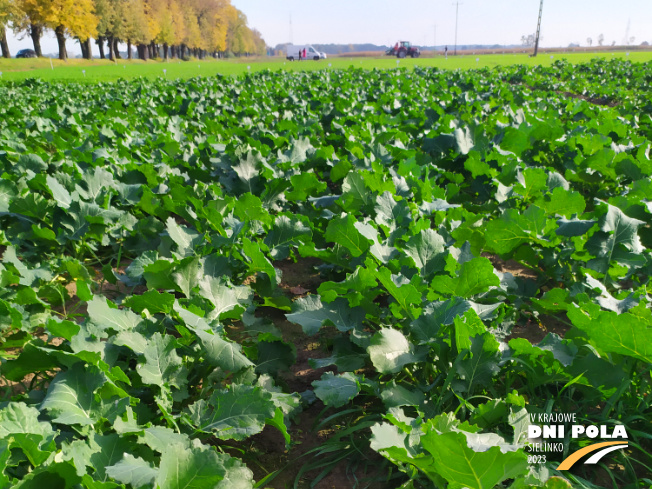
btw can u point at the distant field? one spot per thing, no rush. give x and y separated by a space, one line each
104 70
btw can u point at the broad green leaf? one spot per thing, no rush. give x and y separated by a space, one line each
390 351
616 241
390 213
222 353
258 262
132 470
162 364
475 277
151 301
31 162
407 297
132 340
439 313
311 313
286 233
573 227
160 275
563 202
234 413
346 356
355 193
356 285
479 367
386 435
71 398
532 183
8 192
395 395
514 228
30 276
107 318
187 275
201 467
159 438
607 301
463 140
342 231
274 357
380 250
336 390
185 238
228 300
465 327
428 250
59 192
463 466
304 185
17 417
248 207
19 425
107 451
627 334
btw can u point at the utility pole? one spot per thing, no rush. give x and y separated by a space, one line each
290 28
457 8
536 38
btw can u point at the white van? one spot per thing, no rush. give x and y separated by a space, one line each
295 53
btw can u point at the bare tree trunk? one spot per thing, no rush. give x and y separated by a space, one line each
61 40
100 44
165 50
110 45
142 51
129 55
89 49
35 32
116 51
154 50
82 45
4 45
173 51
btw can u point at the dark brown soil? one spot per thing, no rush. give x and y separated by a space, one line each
299 279
535 331
603 101
511 266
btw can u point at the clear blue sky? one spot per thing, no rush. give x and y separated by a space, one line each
385 22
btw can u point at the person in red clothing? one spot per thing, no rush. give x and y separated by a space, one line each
304 53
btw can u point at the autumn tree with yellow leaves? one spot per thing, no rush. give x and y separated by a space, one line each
8 11
176 28
67 18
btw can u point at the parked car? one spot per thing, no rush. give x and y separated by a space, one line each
294 52
26 53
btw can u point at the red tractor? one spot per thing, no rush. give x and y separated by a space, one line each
402 49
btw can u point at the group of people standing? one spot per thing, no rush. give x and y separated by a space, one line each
302 54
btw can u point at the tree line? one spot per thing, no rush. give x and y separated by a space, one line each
167 28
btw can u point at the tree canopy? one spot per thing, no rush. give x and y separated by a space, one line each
156 27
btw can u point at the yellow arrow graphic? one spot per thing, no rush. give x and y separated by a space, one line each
575 456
